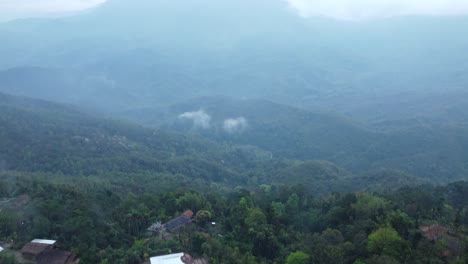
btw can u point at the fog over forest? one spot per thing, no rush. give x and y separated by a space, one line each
308 131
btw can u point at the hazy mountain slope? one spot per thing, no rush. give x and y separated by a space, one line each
66 86
403 110
283 130
45 137
54 142
436 152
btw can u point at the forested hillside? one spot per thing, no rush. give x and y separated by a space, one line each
44 137
40 136
435 151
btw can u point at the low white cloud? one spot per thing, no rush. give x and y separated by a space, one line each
369 9
235 125
199 118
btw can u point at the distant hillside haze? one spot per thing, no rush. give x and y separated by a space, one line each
427 151
178 50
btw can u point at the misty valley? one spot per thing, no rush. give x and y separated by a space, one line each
232 132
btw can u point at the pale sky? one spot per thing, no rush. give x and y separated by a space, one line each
10 9
338 9
368 9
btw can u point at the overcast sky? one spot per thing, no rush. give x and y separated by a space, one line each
339 9
10 9
367 9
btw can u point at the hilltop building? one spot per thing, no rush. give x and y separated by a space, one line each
43 251
32 249
184 219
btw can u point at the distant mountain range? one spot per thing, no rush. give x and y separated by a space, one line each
161 52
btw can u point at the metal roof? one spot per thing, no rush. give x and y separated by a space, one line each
177 223
34 249
44 241
55 256
168 259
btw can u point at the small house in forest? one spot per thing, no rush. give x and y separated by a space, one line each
176 223
32 249
184 219
43 251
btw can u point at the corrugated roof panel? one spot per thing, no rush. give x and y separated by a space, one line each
167 259
44 241
177 223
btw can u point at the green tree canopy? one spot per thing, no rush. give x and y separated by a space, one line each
298 257
384 241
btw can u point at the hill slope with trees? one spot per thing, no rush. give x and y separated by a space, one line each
435 152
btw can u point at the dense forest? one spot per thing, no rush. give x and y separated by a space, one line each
99 220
